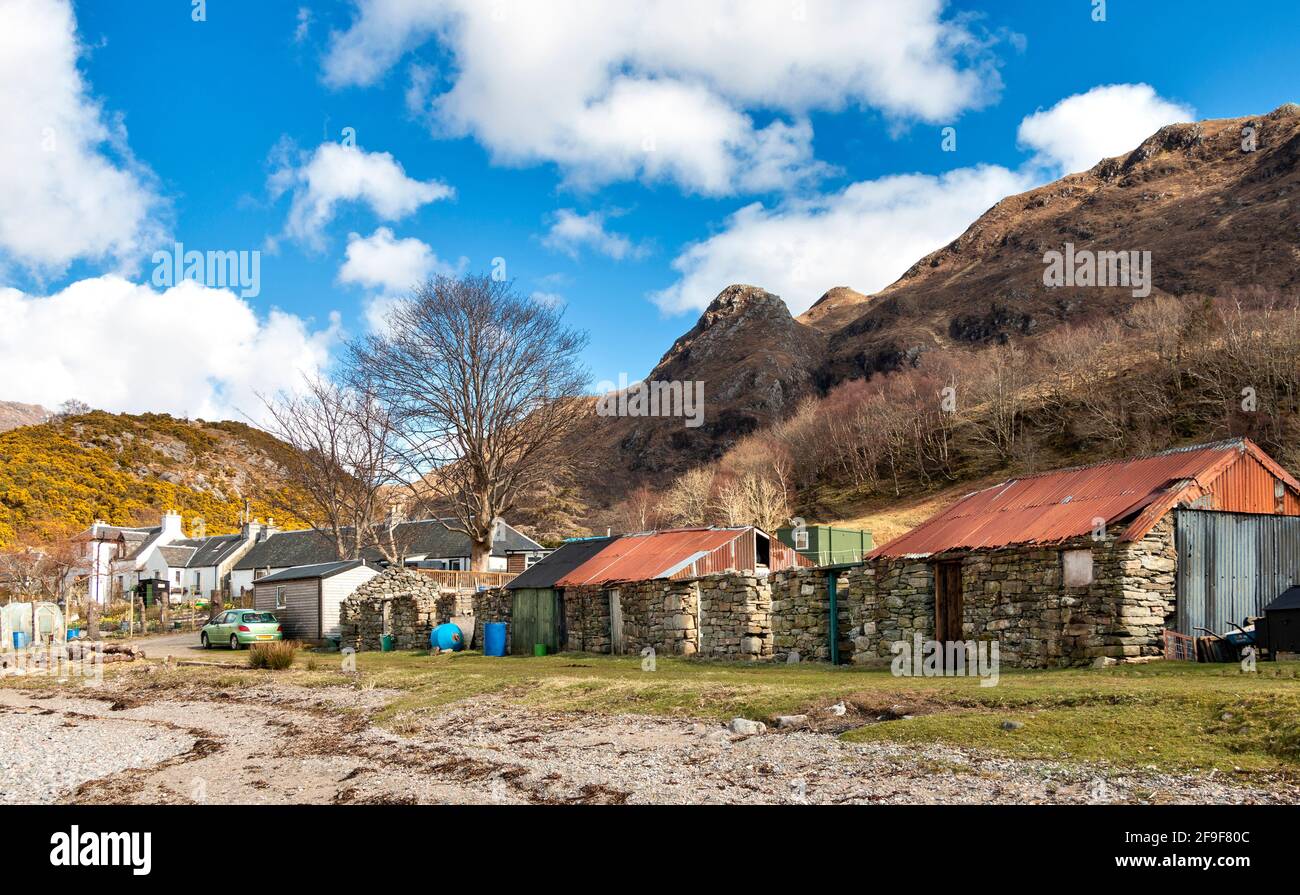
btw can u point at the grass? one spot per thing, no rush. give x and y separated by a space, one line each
1174 716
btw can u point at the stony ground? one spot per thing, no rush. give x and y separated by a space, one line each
278 743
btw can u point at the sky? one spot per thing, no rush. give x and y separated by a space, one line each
623 162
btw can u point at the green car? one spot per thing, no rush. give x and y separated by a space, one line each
240 627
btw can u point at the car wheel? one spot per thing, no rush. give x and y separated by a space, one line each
234 641
203 640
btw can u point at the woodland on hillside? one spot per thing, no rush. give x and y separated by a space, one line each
1170 372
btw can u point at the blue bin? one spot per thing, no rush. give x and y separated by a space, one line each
73 633
447 637
494 639
20 639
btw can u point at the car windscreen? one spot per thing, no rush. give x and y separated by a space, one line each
258 618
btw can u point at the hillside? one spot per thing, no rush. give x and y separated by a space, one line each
14 414
1212 216
126 469
1221 225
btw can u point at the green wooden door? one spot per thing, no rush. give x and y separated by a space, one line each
534 618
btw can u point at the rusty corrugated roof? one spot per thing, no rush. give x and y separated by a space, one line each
641 557
1053 507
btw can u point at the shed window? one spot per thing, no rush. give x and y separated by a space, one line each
1077 566
801 539
279 597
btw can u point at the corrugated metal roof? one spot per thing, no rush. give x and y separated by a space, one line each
545 572
641 557
1053 507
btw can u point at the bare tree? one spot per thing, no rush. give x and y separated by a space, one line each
482 387
689 499
341 466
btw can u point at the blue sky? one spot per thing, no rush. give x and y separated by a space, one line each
198 118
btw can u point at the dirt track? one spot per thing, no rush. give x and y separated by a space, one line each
291 745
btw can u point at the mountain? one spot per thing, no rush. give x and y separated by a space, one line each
125 469
14 414
753 361
1214 217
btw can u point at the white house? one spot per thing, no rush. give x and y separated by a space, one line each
425 543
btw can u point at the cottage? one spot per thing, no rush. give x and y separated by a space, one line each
306 599
422 544
1067 566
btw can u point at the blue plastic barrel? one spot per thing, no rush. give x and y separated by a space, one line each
494 639
447 637
20 639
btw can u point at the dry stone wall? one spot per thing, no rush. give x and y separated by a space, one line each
400 602
1016 596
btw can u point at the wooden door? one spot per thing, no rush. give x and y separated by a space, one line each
533 620
947 602
616 645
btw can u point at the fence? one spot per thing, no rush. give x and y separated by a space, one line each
452 579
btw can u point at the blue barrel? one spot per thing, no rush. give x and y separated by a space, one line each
447 637
494 639
20 639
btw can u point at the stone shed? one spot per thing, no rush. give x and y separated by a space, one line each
404 603
1064 567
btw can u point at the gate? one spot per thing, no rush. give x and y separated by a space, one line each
534 618
1232 565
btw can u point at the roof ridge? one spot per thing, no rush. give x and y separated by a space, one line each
1221 444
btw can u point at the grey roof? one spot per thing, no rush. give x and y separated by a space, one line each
177 556
1290 599
139 541
570 555
210 551
431 538
319 570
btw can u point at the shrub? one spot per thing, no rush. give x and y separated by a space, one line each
275 656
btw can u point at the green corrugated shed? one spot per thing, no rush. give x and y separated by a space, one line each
828 545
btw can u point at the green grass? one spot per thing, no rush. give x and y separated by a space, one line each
1170 715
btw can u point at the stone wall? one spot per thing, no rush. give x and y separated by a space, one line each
801 614
492 605
400 602
735 617
1015 596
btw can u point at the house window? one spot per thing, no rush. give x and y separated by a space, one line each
801 539
279 597
1077 567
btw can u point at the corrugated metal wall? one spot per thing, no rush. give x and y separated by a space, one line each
1247 487
1231 565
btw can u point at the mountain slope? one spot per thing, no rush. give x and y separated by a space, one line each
126 469
13 414
1215 219
1213 216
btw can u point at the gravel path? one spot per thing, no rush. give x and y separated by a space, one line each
282 744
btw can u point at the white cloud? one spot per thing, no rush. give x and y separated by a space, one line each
1081 130
304 25
335 173
381 261
571 232
868 234
864 236
69 187
120 346
664 89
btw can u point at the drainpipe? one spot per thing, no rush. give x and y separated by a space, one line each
831 584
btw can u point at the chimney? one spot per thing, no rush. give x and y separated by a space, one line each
171 526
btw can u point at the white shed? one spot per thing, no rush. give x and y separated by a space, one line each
306 599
